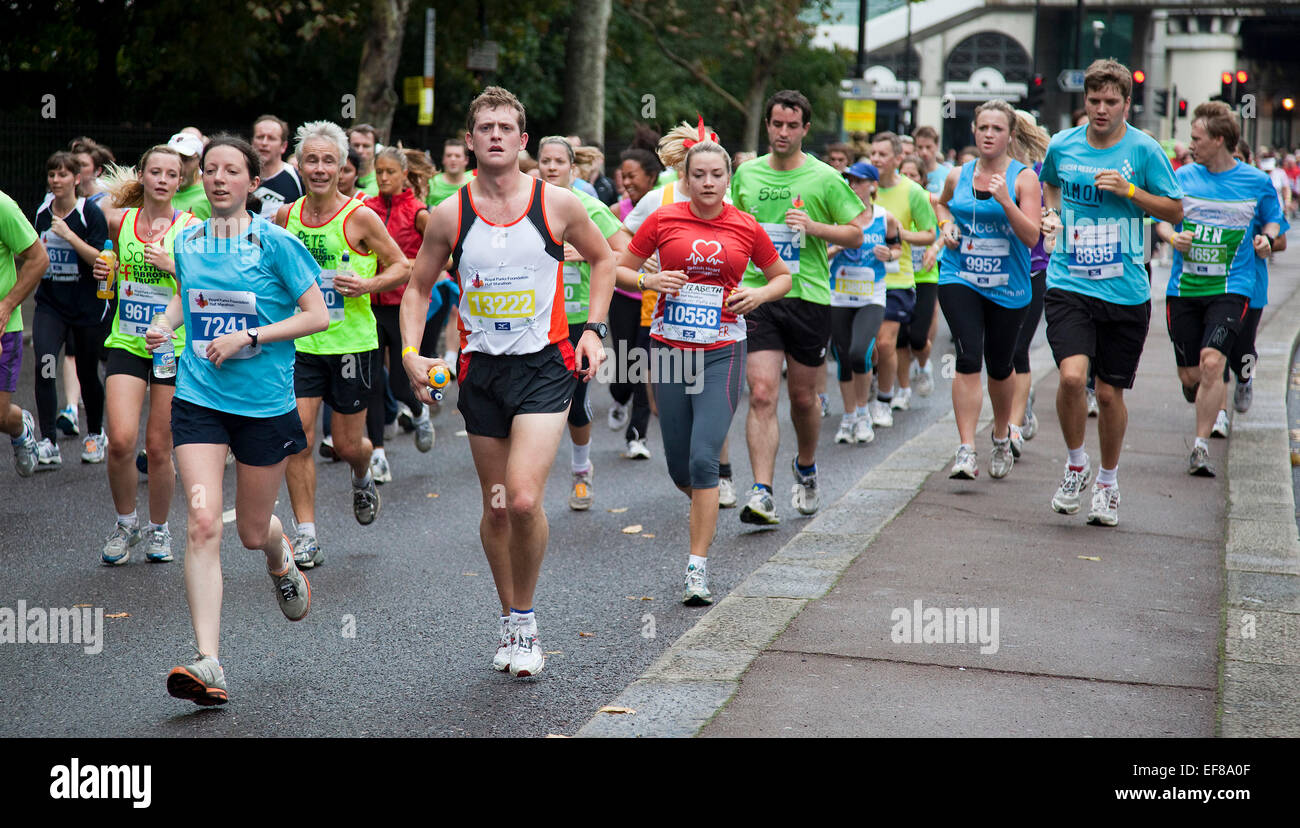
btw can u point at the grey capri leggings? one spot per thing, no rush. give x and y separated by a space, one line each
695 424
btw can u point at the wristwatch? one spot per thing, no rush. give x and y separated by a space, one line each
252 334
601 329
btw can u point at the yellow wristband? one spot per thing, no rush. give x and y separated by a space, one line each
1132 188
408 349
640 281
945 221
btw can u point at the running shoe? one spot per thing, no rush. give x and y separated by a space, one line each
142 462
1220 428
365 502
637 450
882 416
1198 465
423 431
697 592
1029 427
966 464
203 682
902 399
863 433
845 432
390 431
93 447
452 363
726 493
160 545
380 470
875 385
1001 460
526 658
67 421
505 644
826 404
1017 437
117 549
25 452
47 454
327 448
1094 408
1243 395
580 498
803 496
291 588
306 551
923 379
1105 505
618 415
760 509
405 418
1066 499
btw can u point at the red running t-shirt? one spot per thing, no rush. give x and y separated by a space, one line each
713 254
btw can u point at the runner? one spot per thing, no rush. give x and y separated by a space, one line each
73 233
18 241
920 331
190 196
145 239
337 367
910 204
927 149
555 159
505 236
93 158
990 211
243 279
348 176
281 183
802 204
858 304
362 139
1231 217
704 246
1098 309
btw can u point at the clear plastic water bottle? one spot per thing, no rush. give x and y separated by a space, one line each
164 356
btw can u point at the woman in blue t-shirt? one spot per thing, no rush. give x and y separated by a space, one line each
241 284
989 216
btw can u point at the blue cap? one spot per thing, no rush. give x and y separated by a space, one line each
863 170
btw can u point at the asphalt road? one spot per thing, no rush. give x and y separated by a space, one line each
414 586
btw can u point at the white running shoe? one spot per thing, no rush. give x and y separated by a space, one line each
862 431
1220 428
760 510
526 658
924 383
93 448
1066 499
1029 427
726 493
902 399
697 587
1243 395
845 432
1093 408
1105 505
580 495
618 415
1198 465
505 645
48 455
637 450
1001 460
25 456
882 416
966 465
1017 438
379 469
803 496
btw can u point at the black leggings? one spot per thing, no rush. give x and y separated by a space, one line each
48 335
983 332
390 339
626 333
853 333
1244 358
1037 287
916 333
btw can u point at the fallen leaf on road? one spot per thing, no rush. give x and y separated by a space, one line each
620 510
431 494
557 736
586 635
638 597
470 574
1087 558
632 530
647 534
555 652
118 615
83 605
609 708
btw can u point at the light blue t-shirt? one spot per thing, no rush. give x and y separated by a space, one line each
991 259
934 180
1259 292
1225 211
229 285
1099 251
857 276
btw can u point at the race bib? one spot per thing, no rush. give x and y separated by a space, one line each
333 299
137 304
1095 252
215 313
572 284
500 300
1213 249
787 241
63 258
918 258
694 314
984 262
855 286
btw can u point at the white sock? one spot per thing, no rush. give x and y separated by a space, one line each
581 457
927 368
363 482
156 526
1108 477
308 529
129 519
846 420
860 412
1078 457
967 446
697 561
523 620
1004 441
1201 442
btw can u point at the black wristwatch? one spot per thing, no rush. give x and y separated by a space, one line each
601 329
1272 241
252 334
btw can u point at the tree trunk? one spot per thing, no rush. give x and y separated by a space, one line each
376 100
584 74
755 97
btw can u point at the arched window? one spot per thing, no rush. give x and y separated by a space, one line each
993 49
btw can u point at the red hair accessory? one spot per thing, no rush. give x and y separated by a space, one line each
712 136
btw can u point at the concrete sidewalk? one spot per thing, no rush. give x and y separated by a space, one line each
1098 631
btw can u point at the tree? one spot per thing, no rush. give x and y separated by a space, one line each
584 75
376 100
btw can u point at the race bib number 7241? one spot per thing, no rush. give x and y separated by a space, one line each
215 313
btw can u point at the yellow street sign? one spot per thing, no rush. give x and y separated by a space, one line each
859 116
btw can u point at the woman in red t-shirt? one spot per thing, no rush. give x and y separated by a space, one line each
697 359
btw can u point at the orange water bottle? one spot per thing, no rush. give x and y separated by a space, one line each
439 378
105 288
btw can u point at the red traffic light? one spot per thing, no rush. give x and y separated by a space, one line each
1182 107
1242 77
1139 76
1226 78
1037 80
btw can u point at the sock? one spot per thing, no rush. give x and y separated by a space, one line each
1078 457
363 482
379 452
581 457
697 561
1201 442
308 529
846 420
860 412
764 487
885 395
129 520
153 527
967 446
1003 442
805 470
1108 477
927 368
724 470
523 620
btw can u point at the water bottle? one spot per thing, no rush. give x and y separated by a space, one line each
164 356
439 378
105 289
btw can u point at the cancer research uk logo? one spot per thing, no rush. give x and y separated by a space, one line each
56 625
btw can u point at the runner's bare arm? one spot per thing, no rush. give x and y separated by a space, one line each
35 261
1160 207
282 215
313 317
429 263
1026 214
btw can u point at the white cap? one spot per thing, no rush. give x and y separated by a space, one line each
186 144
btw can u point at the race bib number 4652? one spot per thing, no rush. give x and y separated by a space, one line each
215 313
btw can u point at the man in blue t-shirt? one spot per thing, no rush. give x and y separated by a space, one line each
1230 212
1100 179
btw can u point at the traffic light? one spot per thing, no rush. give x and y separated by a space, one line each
1288 104
1244 86
1139 89
1225 88
1182 107
1034 99
1162 102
